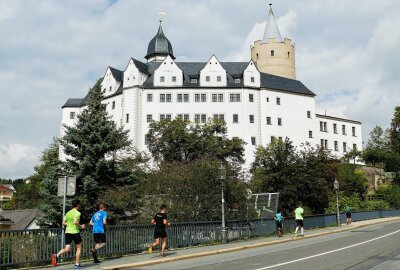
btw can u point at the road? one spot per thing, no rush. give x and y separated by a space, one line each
373 247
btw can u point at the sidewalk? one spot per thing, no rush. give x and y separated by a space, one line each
140 260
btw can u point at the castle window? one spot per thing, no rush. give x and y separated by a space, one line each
196 97
267 99
235 118
253 140
168 97
279 121
146 139
173 78
72 115
278 101
257 55
336 146
288 54
214 98
237 80
251 116
220 97
110 88
326 144
272 53
149 97
234 97
197 118
179 98
252 79
218 78
343 129
162 97
310 134
203 118
269 120
162 79
251 98
113 105
344 147
185 97
308 114
186 117
127 118
203 98
335 128
208 78
149 118
354 146
353 130
193 80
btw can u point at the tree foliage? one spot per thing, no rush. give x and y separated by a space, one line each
394 132
92 146
181 141
299 176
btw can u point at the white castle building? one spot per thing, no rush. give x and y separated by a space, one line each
259 99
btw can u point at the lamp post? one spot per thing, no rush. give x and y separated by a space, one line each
222 177
336 187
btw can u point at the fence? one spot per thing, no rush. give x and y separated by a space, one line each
32 247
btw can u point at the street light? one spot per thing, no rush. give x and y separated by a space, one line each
222 177
336 187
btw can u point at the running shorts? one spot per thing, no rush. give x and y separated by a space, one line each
73 237
299 222
99 238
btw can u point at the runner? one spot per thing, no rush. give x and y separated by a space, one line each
99 223
160 220
72 234
348 214
279 222
299 213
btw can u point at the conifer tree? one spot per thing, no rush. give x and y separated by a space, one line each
394 132
92 146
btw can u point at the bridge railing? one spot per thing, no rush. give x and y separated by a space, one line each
33 247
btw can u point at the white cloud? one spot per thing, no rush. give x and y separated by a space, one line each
15 157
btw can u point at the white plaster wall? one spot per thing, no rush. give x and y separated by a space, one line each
249 72
109 81
339 137
168 69
213 69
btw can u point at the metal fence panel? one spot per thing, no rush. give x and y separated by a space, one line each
29 247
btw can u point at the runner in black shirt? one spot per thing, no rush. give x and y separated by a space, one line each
160 220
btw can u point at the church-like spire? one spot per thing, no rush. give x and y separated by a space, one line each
271 28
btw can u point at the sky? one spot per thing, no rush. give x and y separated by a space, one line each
347 52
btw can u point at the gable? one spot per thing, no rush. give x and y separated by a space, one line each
213 73
168 74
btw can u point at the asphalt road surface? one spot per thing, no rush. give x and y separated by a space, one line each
374 247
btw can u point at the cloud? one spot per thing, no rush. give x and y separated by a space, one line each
14 157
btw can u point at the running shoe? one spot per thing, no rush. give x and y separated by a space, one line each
150 250
54 259
78 266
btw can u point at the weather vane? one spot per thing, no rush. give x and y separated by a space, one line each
162 14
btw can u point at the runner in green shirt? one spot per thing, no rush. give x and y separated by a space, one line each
299 216
348 214
72 234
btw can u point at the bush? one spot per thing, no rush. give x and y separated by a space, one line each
391 194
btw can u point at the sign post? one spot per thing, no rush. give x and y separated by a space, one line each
66 186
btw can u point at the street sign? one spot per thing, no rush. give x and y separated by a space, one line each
71 186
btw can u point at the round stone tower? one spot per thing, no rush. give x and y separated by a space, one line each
272 54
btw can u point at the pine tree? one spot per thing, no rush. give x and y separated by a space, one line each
394 132
92 146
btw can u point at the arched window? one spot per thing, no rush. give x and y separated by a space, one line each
272 53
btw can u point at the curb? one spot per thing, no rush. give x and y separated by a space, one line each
232 249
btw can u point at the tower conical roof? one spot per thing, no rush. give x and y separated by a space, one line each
159 45
271 28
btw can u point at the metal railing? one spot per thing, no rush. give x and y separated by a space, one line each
33 247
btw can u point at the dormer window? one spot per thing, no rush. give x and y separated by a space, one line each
110 88
237 80
218 78
193 80
162 79
252 79
208 78
173 78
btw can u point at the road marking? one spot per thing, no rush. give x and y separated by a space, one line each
328 252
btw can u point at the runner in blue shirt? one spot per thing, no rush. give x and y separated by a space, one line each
99 222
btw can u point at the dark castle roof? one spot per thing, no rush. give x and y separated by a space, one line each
159 46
